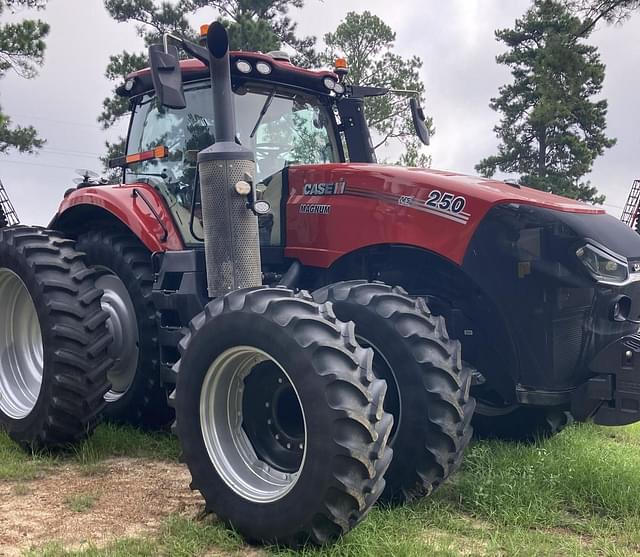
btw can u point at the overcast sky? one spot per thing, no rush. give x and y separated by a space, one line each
454 38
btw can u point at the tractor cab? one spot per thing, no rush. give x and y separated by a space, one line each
285 114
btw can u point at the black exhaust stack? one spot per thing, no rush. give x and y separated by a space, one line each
231 241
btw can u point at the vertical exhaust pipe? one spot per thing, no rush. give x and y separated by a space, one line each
231 241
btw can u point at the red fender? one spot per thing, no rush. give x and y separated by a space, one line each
139 206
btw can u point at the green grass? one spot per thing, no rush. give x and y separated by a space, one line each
108 441
15 464
81 502
574 495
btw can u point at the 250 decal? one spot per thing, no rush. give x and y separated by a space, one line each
446 201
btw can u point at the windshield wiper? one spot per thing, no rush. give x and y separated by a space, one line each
263 111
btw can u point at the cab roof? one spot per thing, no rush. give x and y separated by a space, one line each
282 72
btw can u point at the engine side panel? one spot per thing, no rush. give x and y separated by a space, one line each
334 209
138 206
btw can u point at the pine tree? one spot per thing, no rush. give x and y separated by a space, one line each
22 49
551 129
262 25
610 11
367 42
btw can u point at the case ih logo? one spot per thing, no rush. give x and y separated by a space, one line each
315 209
325 188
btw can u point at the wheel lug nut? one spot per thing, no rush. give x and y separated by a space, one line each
277 436
266 405
288 445
301 446
280 380
269 421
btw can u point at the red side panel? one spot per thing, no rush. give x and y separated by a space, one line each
127 203
335 209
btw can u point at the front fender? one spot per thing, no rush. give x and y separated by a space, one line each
138 206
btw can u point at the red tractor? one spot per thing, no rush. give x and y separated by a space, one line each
249 182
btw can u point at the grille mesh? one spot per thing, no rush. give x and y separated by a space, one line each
232 247
568 339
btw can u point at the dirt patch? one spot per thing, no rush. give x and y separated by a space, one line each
130 497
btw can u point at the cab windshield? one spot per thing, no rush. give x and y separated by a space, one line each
295 129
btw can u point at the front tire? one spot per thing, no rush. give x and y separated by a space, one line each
53 340
428 392
309 471
125 273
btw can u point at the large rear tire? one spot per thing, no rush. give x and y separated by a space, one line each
125 273
428 391
53 340
280 417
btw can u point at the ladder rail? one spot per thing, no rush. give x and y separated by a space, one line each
630 212
7 208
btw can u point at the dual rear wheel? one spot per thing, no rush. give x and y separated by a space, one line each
282 414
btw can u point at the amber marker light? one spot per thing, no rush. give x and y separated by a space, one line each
341 67
341 64
159 152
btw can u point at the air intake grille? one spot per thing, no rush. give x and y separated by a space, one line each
567 343
231 240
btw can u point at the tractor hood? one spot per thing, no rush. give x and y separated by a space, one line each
418 180
351 205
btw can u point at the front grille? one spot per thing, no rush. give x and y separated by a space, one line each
568 336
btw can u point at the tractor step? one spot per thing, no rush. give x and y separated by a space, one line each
179 294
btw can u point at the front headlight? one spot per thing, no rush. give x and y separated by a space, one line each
603 266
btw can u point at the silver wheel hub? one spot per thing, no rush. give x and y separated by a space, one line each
232 452
21 348
123 326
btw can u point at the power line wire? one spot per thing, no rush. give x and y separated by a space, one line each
55 121
38 164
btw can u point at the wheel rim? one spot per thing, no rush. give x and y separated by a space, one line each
21 348
123 326
255 470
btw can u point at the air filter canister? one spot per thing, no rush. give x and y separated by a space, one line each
231 241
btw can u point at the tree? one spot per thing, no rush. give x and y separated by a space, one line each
593 11
262 25
22 49
551 130
367 42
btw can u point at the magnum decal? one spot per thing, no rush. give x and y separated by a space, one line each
314 209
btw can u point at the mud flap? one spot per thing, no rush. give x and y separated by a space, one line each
612 396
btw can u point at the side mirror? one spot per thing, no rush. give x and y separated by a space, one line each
167 76
419 121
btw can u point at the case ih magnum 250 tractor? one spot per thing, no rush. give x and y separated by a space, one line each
249 182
